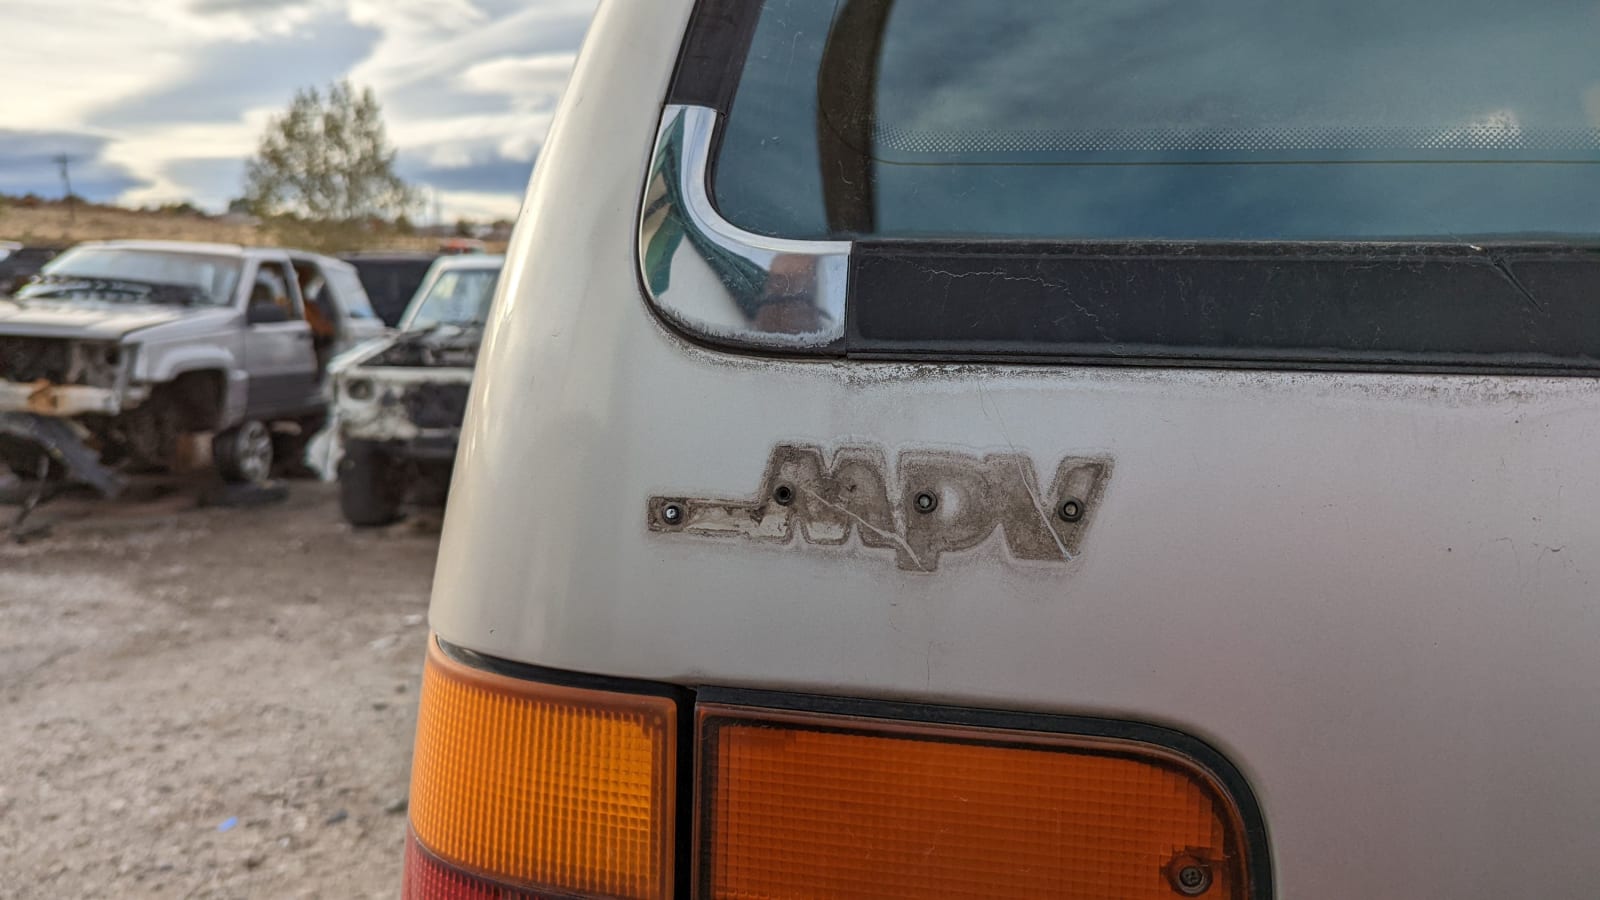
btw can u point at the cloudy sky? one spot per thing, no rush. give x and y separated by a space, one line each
163 100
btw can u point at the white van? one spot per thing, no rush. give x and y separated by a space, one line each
1049 449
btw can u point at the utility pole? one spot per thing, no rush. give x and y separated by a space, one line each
64 162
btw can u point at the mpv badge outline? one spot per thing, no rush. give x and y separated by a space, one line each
934 502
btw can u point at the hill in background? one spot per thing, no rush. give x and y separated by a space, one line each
33 221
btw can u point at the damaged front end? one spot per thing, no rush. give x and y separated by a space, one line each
45 384
61 377
410 394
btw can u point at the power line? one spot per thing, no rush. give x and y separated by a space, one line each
64 163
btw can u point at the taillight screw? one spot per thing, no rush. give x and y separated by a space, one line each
1190 875
1072 510
672 514
926 502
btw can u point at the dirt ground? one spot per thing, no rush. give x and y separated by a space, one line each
207 702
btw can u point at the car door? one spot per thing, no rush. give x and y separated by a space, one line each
349 303
279 356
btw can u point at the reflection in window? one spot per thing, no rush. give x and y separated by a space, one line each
1158 119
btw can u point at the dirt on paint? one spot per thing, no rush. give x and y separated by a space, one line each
208 702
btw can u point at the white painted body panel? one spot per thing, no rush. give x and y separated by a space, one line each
1376 594
91 321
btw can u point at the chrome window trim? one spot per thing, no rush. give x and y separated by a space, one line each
716 280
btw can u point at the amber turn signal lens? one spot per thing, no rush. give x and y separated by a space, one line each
543 786
802 805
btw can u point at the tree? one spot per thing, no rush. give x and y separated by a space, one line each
326 165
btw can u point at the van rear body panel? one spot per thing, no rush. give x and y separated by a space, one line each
1374 593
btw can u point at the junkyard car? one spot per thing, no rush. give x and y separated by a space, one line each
139 343
1035 449
400 402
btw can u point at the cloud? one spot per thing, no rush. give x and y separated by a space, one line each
245 6
28 164
494 175
180 90
221 81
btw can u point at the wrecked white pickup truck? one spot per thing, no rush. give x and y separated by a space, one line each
127 346
400 402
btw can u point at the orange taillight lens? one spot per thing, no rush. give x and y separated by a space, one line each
559 788
797 804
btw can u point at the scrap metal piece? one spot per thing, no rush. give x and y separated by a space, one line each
24 437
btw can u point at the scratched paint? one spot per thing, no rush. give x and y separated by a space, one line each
823 502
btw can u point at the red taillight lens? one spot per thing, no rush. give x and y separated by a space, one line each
430 878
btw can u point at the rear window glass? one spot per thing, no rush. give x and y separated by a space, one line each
1166 120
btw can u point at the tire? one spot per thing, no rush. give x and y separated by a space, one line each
149 435
243 454
371 486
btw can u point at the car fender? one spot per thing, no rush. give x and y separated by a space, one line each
162 363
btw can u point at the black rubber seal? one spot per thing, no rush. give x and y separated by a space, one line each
1257 844
1516 308
714 52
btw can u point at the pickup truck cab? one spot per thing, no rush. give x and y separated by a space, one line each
140 342
1034 449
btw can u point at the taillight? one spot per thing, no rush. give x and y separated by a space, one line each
523 788
802 804
539 787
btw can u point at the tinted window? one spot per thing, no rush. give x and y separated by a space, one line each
1159 119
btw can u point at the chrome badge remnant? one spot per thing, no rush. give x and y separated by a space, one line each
937 502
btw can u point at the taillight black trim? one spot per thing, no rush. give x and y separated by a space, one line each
1258 846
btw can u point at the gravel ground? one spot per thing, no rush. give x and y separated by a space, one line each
208 702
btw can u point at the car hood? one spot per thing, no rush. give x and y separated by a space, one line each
451 347
85 319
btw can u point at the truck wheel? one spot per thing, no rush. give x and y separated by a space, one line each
371 486
243 454
149 435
